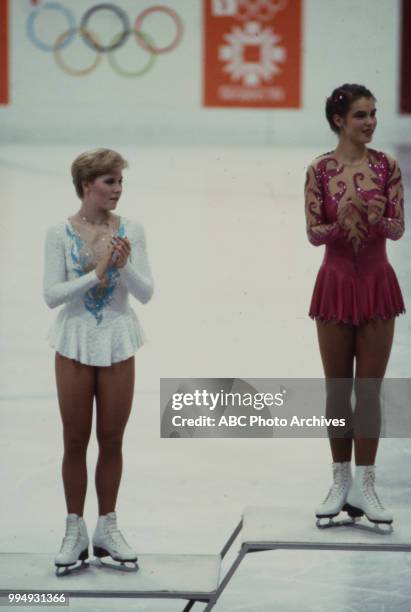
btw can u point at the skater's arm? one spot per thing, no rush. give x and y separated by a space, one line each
57 289
391 224
137 273
318 230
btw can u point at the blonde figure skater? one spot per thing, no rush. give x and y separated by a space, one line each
354 203
94 260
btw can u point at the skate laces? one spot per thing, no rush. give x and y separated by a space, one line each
114 532
72 534
369 491
341 482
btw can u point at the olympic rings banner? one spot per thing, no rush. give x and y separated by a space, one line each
4 52
123 30
252 53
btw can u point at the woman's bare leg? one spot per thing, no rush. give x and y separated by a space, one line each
114 396
337 348
75 390
373 348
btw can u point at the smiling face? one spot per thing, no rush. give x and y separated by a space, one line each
359 123
104 191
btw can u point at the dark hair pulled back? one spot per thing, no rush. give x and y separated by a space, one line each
341 99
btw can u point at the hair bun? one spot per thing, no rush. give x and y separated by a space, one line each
339 96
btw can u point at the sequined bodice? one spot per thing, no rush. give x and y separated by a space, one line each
93 240
70 277
342 199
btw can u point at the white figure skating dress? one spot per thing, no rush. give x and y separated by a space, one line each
97 325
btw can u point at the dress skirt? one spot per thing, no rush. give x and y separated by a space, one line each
358 287
78 337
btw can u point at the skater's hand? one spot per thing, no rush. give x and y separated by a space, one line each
352 217
122 251
105 262
347 215
376 208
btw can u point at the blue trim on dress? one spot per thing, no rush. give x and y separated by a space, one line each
96 298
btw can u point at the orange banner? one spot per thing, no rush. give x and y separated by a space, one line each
252 53
4 52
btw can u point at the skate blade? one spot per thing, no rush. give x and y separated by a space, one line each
331 522
120 566
66 570
384 527
355 523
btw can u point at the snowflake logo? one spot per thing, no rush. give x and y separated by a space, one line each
262 10
252 54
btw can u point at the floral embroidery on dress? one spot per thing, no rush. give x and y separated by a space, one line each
96 298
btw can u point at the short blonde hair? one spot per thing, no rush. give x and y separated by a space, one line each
89 165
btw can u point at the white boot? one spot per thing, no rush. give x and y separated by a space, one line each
108 541
362 498
75 543
337 495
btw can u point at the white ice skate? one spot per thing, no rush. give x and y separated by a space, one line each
109 542
74 547
362 498
337 495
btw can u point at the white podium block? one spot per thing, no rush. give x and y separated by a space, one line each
292 528
184 576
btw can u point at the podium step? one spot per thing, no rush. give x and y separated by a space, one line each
159 575
292 528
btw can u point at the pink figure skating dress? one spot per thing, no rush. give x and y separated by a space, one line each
356 282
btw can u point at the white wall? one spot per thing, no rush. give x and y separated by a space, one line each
344 41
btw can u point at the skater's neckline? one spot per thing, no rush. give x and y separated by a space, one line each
343 164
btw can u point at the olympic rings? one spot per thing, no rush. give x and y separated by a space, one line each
54 6
128 73
120 39
142 39
174 16
59 44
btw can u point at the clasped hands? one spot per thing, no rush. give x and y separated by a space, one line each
121 250
117 255
376 208
352 214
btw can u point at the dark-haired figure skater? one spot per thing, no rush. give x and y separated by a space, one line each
354 202
93 261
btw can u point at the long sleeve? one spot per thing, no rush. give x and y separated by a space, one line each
392 225
136 273
318 231
56 289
